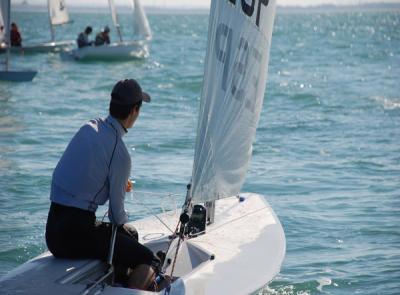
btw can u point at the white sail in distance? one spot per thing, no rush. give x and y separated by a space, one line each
113 13
4 18
235 76
5 11
58 12
1 20
141 24
2 24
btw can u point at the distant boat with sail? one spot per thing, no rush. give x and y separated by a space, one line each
222 241
58 15
137 48
8 74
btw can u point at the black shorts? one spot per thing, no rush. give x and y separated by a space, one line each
75 233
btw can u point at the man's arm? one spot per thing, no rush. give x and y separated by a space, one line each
118 177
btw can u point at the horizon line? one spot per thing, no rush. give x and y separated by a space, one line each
377 3
158 8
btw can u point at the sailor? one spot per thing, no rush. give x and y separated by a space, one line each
83 38
95 168
103 37
15 36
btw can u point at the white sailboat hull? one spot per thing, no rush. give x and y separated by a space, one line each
241 252
114 51
45 47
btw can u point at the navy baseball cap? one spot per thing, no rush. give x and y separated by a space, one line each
128 92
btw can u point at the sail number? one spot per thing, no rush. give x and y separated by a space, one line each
247 61
248 9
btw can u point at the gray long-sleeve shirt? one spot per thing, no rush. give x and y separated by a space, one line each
94 168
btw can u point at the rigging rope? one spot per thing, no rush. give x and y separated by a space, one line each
149 210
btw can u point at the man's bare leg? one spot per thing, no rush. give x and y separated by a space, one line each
141 277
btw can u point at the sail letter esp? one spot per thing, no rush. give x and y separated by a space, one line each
248 9
232 96
265 3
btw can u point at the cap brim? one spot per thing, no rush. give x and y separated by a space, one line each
146 97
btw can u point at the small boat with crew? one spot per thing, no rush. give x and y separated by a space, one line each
138 48
58 15
9 74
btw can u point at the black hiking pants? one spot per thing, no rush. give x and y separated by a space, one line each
75 233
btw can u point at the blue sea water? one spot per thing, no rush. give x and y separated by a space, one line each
326 156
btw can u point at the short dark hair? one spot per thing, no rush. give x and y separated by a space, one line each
88 30
122 112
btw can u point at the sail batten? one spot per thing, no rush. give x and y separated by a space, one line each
232 96
58 12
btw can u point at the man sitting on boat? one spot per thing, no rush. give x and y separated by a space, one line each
94 169
83 38
103 37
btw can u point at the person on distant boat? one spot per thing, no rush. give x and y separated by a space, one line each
95 168
15 36
83 38
103 37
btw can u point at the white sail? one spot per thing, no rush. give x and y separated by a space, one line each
4 18
2 25
58 12
234 83
141 23
113 13
5 11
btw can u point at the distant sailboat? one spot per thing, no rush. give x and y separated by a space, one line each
121 50
7 74
58 15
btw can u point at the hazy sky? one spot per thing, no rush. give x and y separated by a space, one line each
206 3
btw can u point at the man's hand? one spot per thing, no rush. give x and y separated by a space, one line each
129 186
